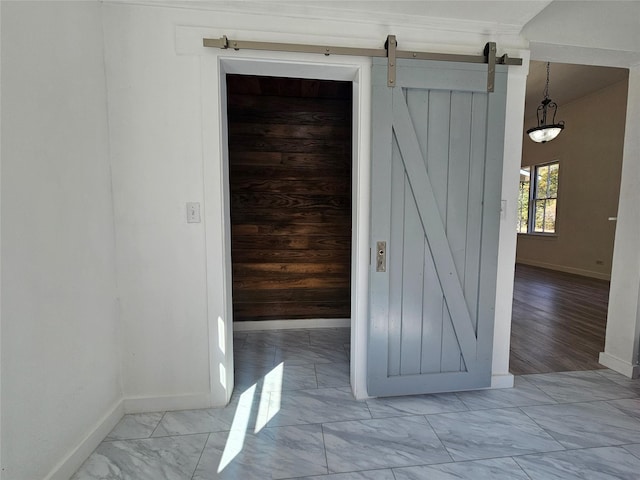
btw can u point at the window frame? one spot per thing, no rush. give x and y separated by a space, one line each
533 199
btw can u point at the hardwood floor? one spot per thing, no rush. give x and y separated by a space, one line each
558 321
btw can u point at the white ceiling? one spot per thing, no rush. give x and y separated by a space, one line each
567 83
607 25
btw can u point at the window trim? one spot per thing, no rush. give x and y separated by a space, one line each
532 200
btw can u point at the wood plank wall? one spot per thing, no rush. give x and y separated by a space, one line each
290 178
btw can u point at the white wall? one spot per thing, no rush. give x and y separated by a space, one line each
517 86
0 251
60 339
568 32
155 63
622 345
590 155
608 26
156 152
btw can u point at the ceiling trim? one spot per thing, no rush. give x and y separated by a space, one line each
319 12
551 52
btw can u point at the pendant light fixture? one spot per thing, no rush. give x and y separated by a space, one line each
545 132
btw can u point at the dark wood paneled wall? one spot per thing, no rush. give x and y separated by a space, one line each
290 179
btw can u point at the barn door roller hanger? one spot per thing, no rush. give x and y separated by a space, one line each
389 51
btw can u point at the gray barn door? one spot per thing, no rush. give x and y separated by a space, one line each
436 182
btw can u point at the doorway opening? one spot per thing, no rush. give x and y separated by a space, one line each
290 187
569 192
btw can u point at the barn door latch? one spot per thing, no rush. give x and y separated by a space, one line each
381 256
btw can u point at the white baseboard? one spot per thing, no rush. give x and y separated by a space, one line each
167 403
72 462
502 381
565 269
291 324
620 366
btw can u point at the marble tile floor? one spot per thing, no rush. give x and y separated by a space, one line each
292 416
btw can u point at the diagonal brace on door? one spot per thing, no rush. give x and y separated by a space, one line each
424 196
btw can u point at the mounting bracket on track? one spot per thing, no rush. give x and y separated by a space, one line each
490 53
390 52
390 45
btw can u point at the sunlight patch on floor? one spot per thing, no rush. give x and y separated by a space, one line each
268 407
235 442
271 395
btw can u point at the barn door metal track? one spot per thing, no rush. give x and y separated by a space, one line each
389 51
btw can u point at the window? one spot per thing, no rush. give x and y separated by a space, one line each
538 198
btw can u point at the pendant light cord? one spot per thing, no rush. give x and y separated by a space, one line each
546 87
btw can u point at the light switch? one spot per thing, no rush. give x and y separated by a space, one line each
193 212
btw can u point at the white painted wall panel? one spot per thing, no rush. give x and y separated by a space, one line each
154 68
60 342
156 151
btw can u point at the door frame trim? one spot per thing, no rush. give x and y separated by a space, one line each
216 198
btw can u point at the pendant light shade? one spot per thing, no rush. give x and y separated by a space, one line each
545 132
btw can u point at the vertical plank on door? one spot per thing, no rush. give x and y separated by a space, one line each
413 261
476 192
378 351
457 202
418 102
437 154
458 180
412 286
394 257
432 311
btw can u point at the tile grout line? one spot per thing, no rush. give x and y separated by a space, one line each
200 457
429 465
560 402
324 446
315 370
545 431
161 419
366 402
484 409
514 459
405 415
462 402
606 382
453 460
578 449
630 445
567 449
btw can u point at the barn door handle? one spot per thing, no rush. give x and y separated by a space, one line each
381 256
